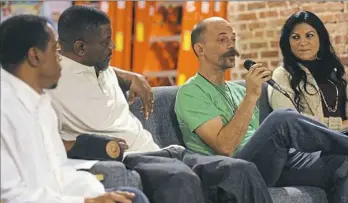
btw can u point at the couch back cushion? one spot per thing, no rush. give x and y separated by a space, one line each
162 123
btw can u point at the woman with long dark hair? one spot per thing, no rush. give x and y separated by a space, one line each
313 76
311 72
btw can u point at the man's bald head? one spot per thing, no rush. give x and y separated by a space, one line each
200 28
213 42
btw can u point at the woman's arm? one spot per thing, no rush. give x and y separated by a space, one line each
277 100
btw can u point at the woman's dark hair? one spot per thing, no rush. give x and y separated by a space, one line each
326 53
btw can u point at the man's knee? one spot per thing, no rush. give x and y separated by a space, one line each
114 172
139 195
181 185
282 115
339 180
184 175
235 168
238 170
239 165
341 173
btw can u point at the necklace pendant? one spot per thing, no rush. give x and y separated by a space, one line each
331 110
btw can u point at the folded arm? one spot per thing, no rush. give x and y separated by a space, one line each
124 78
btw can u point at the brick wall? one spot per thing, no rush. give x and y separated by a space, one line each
258 24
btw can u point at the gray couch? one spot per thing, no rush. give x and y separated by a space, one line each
164 127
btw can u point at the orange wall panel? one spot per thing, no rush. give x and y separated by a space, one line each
120 14
188 62
142 28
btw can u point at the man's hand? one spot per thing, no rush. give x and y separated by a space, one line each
137 86
344 124
256 76
140 87
121 142
112 197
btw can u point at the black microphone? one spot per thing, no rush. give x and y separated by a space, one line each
248 63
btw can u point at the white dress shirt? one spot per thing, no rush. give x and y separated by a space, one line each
89 104
33 158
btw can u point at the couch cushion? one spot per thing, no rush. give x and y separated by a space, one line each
162 123
298 195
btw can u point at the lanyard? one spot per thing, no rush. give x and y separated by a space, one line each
229 100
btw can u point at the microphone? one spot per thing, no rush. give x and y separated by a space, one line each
248 63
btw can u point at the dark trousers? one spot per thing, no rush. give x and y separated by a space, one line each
176 175
139 195
318 156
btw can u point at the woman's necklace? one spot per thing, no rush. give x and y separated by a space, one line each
330 109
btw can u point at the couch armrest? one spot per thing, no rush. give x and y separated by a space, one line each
162 123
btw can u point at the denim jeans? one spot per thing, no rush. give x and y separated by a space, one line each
218 179
116 175
318 156
139 195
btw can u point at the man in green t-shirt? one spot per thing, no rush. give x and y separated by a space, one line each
199 101
207 102
221 118
194 108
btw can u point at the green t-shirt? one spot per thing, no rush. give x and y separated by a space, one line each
198 101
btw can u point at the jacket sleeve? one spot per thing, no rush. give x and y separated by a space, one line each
277 100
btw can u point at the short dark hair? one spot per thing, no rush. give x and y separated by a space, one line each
17 35
197 34
78 23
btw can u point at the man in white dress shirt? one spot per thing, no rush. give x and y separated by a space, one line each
89 100
33 158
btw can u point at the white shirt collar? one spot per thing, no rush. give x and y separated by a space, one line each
27 95
75 66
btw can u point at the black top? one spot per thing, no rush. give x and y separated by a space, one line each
322 77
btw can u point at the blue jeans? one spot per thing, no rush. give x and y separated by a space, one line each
174 174
139 195
318 156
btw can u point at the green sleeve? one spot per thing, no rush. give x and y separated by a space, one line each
194 107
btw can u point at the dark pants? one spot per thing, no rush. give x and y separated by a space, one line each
196 178
139 195
318 156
